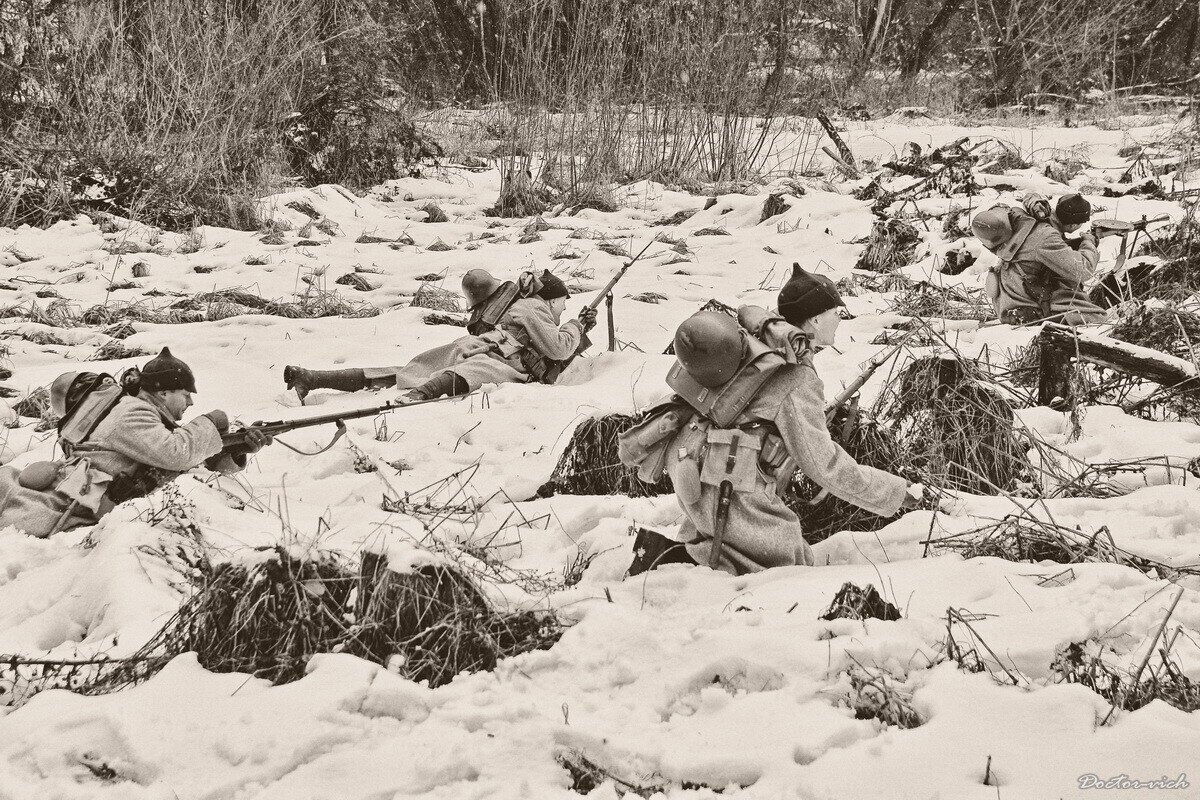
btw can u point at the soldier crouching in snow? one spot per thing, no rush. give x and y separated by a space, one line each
514 337
749 410
120 442
1040 274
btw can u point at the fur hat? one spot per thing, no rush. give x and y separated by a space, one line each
1073 209
806 295
552 286
165 371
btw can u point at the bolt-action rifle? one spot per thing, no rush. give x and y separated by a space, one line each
601 295
234 440
146 478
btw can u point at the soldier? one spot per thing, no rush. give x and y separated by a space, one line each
120 442
514 335
1040 275
749 411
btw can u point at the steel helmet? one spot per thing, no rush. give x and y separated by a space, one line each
477 286
59 390
710 346
992 227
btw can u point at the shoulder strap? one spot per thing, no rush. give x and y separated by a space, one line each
486 316
1007 251
723 404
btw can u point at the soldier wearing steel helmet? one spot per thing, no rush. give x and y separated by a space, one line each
514 336
132 440
752 413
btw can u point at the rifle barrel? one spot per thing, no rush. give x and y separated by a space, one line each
283 426
599 298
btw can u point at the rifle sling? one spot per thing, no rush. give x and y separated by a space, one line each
341 431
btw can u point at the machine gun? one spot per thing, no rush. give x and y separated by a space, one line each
1114 286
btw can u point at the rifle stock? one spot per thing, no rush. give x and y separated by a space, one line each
276 427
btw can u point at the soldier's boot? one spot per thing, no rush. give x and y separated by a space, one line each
444 383
305 380
651 550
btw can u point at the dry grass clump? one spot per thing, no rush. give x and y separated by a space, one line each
956 426
853 602
438 318
874 696
356 281
942 302
520 195
590 465
587 775
1164 328
1083 663
1026 539
892 244
270 618
115 349
436 298
36 404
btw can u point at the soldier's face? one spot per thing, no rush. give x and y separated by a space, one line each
823 327
176 402
558 305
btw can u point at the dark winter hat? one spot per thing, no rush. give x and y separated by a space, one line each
552 286
1073 209
806 295
165 371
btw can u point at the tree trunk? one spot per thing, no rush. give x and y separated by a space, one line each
918 57
779 42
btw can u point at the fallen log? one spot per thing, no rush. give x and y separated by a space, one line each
847 159
1059 344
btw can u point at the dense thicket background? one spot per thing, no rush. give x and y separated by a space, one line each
179 111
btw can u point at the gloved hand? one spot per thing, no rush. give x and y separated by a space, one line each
256 440
220 419
587 318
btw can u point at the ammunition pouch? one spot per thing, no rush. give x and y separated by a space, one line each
646 443
83 484
748 458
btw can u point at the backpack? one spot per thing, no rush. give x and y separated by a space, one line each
724 403
486 316
91 398
1003 231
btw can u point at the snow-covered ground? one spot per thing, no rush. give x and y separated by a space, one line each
681 677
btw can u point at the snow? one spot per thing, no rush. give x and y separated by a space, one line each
677 677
